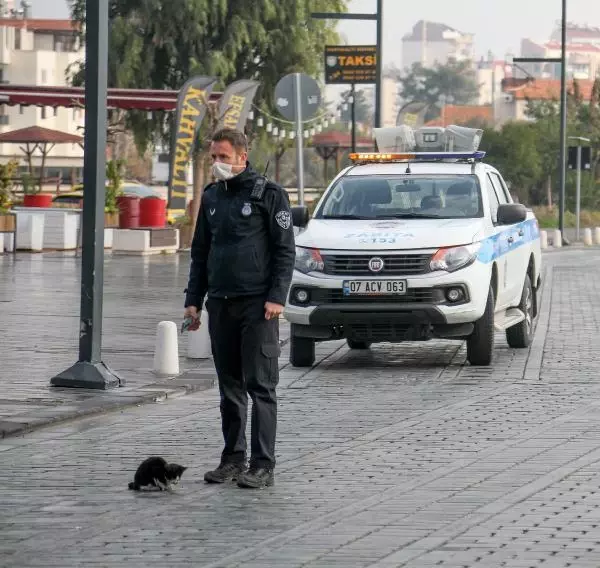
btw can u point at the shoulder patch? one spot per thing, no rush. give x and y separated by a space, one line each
283 219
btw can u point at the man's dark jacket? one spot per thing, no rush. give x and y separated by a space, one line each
242 246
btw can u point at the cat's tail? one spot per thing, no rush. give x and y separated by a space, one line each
133 486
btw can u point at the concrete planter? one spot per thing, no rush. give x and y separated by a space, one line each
145 241
61 229
8 222
111 220
30 229
8 229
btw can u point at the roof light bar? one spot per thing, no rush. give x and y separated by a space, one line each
404 138
415 157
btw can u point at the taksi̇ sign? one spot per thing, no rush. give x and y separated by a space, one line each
350 64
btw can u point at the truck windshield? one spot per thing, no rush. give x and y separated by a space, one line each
403 196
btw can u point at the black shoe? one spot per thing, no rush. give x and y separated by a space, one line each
225 472
257 477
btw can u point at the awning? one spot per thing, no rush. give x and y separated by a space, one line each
74 97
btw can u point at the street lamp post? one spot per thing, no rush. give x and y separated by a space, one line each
563 113
89 371
578 186
350 104
378 18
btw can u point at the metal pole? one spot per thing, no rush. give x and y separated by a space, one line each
353 116
299 140
578 193
89 371
563 121
379 55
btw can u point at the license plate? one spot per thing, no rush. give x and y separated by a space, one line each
374 287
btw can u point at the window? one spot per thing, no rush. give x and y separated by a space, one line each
43 113
493 197
503 196
397 196
44 77
17 38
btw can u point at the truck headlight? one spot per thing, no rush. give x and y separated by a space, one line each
454 258
308 260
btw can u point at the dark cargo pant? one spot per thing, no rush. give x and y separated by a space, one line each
245 349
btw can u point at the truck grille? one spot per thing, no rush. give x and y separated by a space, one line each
358 265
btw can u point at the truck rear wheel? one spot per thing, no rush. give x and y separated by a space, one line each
480 344
302 351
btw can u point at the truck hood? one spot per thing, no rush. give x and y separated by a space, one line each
340 234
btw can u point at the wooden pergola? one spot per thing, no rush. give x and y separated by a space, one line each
35 138
334 145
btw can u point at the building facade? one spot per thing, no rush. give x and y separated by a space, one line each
41 52
583 54
430 42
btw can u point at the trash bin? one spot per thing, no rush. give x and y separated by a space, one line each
129 211
153 212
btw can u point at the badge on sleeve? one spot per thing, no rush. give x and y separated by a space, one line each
283 219
247 210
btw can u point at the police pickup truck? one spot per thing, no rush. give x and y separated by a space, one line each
420 240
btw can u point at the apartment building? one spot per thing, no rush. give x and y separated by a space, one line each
517 93
430 42
40 52
583 54
490 73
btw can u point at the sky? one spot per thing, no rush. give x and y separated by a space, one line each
498 25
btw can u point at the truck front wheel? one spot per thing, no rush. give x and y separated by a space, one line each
480 345
302 351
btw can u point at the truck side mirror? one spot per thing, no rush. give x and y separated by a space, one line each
511 213
300 216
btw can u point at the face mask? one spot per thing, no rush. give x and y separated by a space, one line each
222 171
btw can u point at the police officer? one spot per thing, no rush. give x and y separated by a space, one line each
242 258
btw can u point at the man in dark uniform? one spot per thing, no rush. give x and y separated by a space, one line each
242 258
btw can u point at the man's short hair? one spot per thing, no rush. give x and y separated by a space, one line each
235 137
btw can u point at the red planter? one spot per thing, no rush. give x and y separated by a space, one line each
129 212
153 212
38 200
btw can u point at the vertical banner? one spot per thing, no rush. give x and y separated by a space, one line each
236 103
191 109
412 114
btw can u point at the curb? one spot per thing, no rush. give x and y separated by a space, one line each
109 401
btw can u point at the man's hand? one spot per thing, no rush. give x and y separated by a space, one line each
192 312
272 310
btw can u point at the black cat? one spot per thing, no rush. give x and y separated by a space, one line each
156 472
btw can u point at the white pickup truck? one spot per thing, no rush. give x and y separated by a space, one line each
413 245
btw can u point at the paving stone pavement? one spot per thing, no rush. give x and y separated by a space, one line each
399 456
39 312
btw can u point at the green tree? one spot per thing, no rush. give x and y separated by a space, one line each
159 45
514 152
589 125
363 109
454 81
546 117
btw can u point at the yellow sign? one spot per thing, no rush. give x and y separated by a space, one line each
350 64
232 117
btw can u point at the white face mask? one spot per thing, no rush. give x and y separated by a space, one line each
222 171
